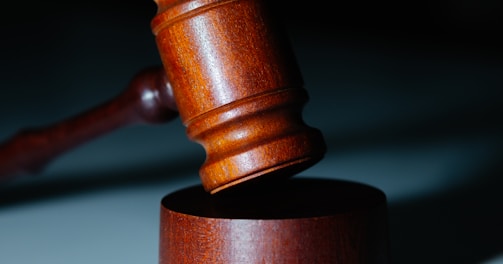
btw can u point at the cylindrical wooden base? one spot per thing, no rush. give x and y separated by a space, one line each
301 220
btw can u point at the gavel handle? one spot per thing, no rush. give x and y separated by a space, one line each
148 99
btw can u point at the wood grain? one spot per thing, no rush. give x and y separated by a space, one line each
238 89
301 220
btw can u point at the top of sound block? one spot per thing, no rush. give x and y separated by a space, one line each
284 199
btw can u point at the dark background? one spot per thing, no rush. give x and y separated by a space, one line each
407 93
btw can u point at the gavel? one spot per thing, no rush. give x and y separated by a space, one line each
228 71
230 74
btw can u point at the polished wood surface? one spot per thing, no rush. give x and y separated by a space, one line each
234 81
148 99
300 220
238 89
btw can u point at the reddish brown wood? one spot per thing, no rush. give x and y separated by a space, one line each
300 220
238 89
148 99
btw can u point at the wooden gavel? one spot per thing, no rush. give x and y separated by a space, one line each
228 72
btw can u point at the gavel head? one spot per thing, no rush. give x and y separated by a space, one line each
238 89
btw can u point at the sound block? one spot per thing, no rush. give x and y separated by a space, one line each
299 220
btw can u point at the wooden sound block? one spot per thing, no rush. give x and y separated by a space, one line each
300 220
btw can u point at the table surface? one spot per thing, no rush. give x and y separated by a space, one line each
413 113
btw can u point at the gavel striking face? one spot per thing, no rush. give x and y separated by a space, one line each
237 89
